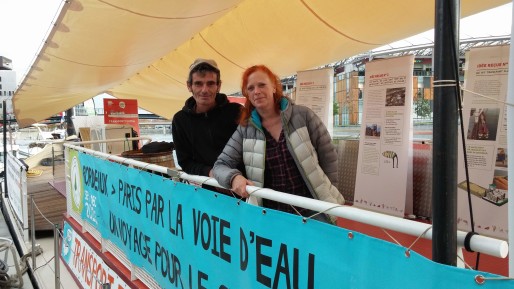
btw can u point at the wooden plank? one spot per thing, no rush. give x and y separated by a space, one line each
50 202
85 135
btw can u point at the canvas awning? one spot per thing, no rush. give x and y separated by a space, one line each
142 49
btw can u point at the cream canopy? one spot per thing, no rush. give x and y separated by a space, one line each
142 49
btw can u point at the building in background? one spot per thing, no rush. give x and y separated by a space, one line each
349 78
7 84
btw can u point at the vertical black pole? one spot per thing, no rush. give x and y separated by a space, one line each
444 171
4 114
7 218
70 129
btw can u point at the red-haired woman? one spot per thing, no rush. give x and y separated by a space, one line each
283 146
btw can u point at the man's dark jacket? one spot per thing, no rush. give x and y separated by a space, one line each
199 138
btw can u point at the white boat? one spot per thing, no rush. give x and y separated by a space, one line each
32 139
14 148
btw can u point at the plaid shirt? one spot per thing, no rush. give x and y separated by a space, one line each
282 174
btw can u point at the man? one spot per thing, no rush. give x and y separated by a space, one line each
206 122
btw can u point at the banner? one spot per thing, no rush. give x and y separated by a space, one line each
485 127
315 90
189 237
16 176
384 166
86 265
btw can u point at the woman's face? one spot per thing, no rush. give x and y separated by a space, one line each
260 90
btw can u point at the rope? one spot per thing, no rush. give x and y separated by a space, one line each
390 236
413 243
298 213
24 258
460 102
46 263
445 83
488 97
235 195
6 280
44 217
419 237
204 181
143 168
322 212
465 264
480 279
250 193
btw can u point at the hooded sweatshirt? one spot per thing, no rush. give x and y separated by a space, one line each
199 138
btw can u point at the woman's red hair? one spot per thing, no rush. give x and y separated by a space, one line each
275 81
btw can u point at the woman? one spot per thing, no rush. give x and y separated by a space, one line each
480 131
483 131
284 147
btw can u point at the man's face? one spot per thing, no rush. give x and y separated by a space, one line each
204 86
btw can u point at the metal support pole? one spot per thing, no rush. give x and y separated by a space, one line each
56 257
444 171
33 232
510 144
70 130
4 113
53 161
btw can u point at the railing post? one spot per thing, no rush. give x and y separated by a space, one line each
4 113
33 232
56 257
53 161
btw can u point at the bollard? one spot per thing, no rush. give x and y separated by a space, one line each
53 161
56 257
33 232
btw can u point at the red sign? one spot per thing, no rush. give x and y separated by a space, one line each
121 111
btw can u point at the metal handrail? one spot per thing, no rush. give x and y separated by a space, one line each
478 243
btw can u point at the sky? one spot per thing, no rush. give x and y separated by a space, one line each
493 22
24 25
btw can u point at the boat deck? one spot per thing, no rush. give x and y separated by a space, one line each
47 186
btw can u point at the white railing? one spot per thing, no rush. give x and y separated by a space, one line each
477 243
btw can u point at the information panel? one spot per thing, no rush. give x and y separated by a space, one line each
485 127
16 176
384 167
315 89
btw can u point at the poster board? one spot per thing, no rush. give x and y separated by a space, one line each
121 111
485 130
384 166
16 177
315 90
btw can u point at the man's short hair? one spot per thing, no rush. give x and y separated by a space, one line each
203 65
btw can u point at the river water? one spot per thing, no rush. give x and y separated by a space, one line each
159 137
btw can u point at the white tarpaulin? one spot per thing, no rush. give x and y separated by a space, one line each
142 49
